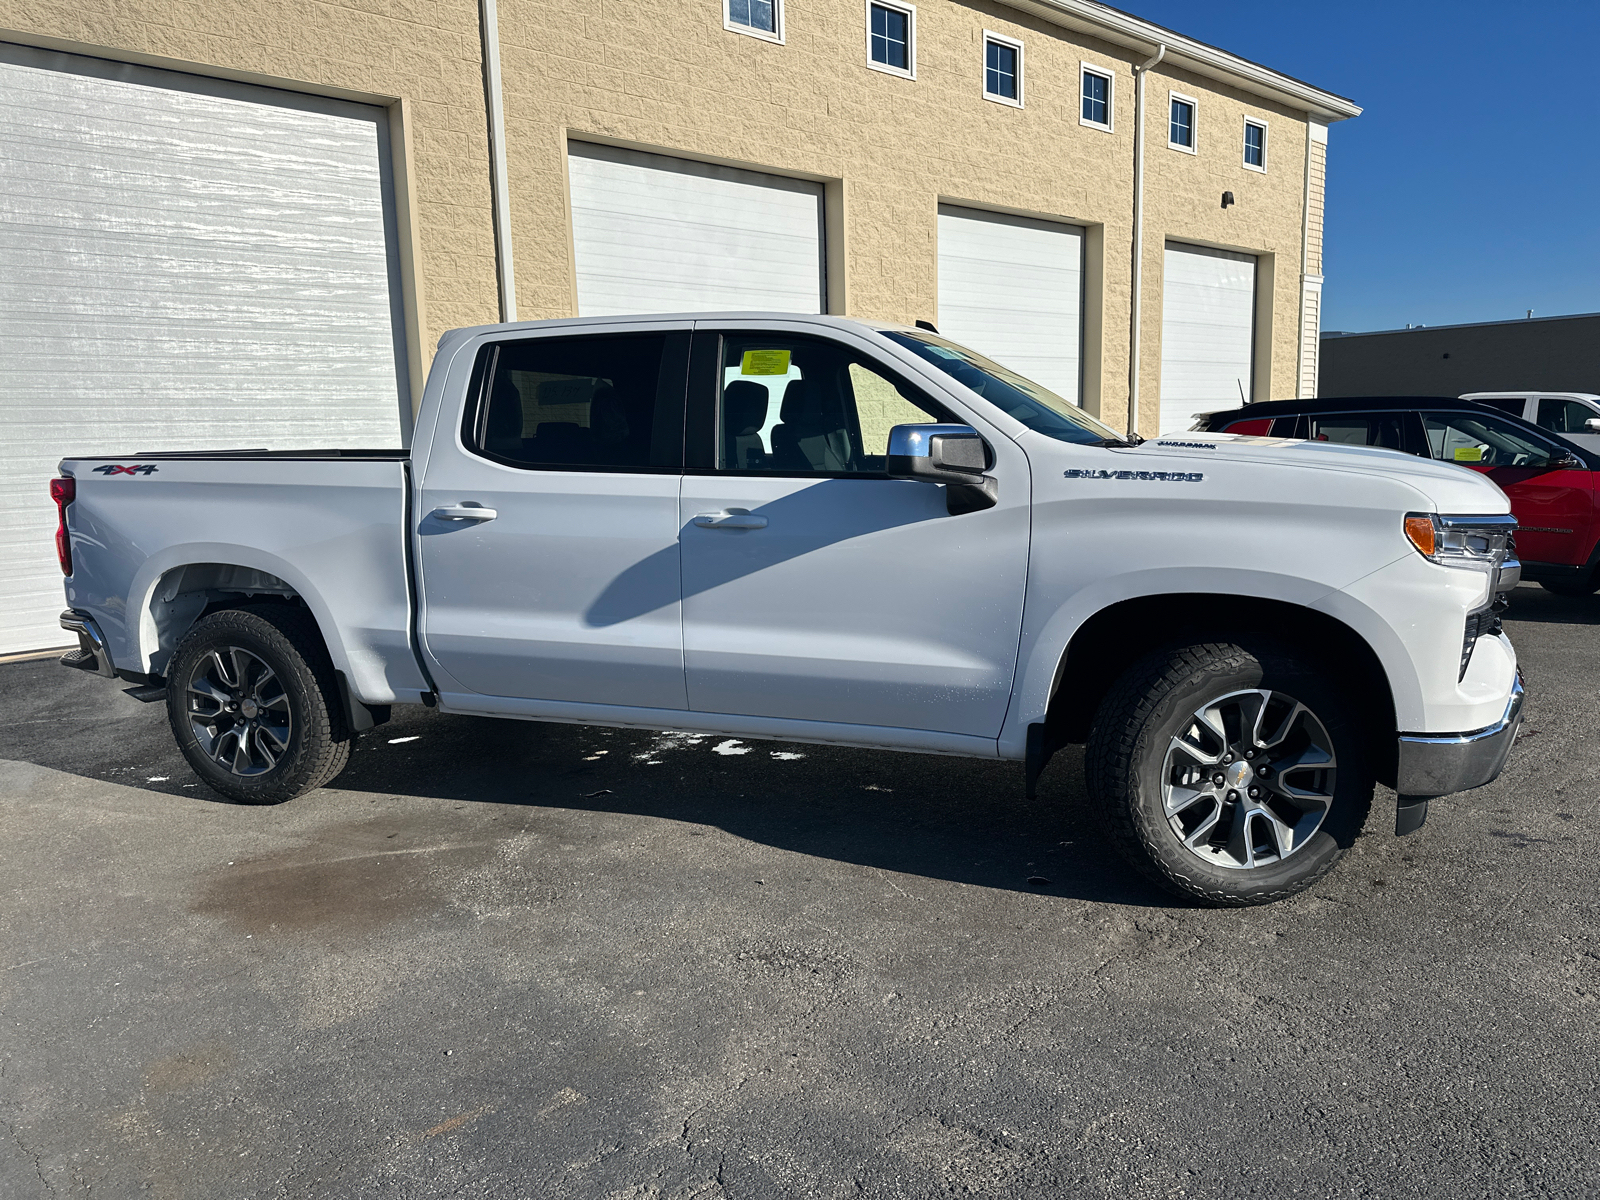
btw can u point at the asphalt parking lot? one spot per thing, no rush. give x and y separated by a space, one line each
502 959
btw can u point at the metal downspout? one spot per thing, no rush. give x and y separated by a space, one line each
1138 235
489 27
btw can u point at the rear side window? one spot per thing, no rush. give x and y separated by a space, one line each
1506 404
585 403
1359 429
1565 416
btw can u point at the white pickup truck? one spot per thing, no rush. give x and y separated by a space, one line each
825 530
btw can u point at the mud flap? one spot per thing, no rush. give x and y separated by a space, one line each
1409 814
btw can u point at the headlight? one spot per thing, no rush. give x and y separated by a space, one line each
1484 542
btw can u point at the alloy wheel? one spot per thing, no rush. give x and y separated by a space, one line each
1249 779
239 711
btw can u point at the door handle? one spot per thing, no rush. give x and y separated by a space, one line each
733 518
464 512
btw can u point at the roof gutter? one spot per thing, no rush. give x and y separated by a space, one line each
1121 29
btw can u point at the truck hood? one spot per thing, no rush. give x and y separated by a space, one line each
1452 489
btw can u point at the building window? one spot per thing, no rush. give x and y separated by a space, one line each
1255 144
891 38
760 18
1096 103
1002 68
1180 125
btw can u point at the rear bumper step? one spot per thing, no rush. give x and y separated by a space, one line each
91 654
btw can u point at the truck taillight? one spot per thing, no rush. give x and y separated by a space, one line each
63 491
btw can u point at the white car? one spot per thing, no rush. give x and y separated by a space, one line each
1574 415
826 530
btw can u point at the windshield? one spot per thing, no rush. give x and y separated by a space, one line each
1040 409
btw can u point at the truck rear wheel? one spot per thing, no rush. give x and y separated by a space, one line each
251 697
1230 775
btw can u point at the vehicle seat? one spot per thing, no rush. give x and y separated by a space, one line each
503 430
810 438
744 412
558 442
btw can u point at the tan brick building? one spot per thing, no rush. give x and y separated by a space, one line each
249 223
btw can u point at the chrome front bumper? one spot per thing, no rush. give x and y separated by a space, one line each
1437 764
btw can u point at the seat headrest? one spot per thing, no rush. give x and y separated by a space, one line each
744 407
802 403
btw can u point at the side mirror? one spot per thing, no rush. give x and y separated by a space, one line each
1592 424
954 455
1565 461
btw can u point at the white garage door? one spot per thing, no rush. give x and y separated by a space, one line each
184 264
1012 288
653 234
1208 321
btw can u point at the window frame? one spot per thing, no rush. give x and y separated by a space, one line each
1000 39
702 451
909 71
776 36
1244 145
1194 123
667 419
1110 126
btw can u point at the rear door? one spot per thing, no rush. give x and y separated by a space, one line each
816 588
548 523
1554 506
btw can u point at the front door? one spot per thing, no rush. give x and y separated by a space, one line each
548 530
816 588
1554 506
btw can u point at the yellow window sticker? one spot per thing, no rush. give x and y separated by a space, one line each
765 362
1469 454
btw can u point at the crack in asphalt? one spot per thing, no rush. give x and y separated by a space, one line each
38 1166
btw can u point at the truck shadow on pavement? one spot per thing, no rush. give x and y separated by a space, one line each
1530 603
956 819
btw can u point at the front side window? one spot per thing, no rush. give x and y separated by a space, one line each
1002 69
889 34
585 403
1034 405
1565 416
1096 109
753 16
1180 129
1255 145
804 406
1471 440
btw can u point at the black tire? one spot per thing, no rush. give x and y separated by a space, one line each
1134 751
1576 588
282 739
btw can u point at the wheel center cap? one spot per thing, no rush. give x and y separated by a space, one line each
248 709
1239 774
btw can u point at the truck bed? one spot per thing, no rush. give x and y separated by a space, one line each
327 526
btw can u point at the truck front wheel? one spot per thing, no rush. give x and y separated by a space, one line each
250 695
1227 774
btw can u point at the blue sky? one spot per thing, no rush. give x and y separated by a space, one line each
1469 189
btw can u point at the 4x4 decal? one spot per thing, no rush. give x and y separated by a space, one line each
136 469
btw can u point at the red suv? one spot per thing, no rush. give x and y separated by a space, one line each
1551 481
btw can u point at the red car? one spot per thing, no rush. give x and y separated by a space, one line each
1551 481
